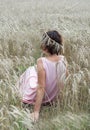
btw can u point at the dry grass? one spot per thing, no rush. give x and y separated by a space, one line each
21 25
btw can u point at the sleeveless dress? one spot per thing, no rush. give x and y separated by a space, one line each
28 81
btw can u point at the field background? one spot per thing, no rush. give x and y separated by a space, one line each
22 23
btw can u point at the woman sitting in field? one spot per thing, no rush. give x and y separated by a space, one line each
39 85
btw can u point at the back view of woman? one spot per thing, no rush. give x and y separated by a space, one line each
39 85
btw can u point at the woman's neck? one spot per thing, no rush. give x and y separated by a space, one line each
49 55
53 57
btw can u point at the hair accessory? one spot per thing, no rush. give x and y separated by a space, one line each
48 41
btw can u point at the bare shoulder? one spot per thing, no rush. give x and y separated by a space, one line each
61 56
39 64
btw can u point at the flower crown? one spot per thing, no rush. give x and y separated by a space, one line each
48 41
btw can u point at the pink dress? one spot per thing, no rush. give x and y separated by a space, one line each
28 81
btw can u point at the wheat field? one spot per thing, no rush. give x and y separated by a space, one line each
22 23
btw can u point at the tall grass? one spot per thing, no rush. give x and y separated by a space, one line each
21 26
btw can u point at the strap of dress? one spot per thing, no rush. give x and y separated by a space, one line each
63 59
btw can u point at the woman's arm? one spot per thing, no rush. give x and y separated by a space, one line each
40 89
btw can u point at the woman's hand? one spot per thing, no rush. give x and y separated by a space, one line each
34 116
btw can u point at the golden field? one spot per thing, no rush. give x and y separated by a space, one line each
22 23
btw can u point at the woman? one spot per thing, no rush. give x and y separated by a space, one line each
40 85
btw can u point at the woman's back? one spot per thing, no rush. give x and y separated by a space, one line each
54 70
